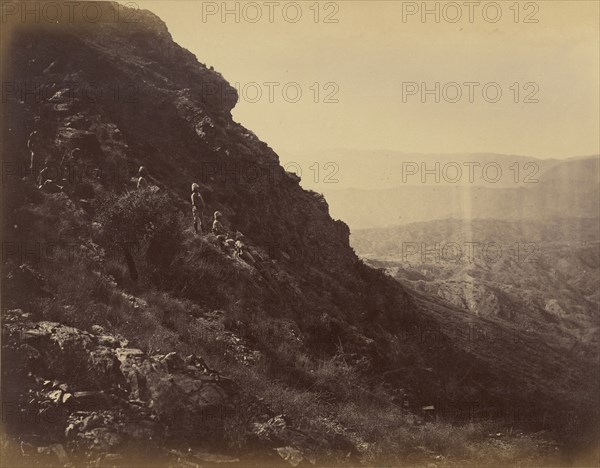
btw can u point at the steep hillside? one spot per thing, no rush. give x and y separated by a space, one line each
115 302
540 277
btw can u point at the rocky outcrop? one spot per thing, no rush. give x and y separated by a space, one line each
104 394
107 78
90 396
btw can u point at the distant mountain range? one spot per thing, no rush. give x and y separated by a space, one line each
379 169
561 189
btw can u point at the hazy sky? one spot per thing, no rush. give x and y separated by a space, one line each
367 60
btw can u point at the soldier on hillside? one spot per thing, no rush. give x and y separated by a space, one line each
197 208
142 182
217 227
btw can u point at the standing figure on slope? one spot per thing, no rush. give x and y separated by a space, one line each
142 182
197 208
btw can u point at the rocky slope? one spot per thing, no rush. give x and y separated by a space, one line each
539 277
191 137
99 401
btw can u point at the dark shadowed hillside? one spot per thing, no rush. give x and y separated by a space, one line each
540 277
121 326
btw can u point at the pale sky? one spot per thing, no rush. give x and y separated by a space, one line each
372 53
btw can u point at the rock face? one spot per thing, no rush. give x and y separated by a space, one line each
137 71
99 397
108 79
80 396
